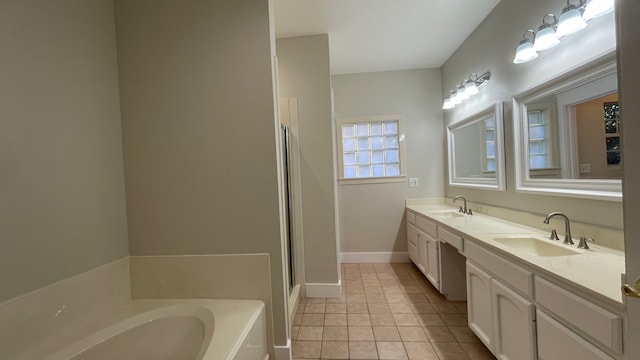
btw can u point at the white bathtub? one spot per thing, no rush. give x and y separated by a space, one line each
177 330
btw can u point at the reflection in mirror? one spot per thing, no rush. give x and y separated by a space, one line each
567 135
475 150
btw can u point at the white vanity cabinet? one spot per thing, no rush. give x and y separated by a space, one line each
441 264
501 318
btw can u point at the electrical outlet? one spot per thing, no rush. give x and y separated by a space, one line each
585 168
414 182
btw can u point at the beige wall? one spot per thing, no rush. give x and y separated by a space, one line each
492 47
371 215
304 74
199 131
62 204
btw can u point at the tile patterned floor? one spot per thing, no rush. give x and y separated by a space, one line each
387 311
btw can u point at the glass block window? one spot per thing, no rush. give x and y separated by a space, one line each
612 134
539 154
490 145
370 148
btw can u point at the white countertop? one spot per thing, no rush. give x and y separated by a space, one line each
598 269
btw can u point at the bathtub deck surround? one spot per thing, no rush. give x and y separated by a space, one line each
181 329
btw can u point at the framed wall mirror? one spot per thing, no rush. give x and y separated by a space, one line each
476 150
567 135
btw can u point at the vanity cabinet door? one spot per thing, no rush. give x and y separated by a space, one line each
479 307
514 332
422 252
432 266
412 243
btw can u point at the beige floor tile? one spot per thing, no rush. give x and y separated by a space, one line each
312 319
406 320
401 308
439 334
450 351
461 306
307 349
417 298
371 281
335 320
294 332
336 308
386 333
388 282
310 333
359 290
357 308
396 298
412 333
360 333
369 276
362 350
477 351
379 308
335 333
376 299
316 300
420 351
335 350
358 320
312 308
356 299
423 308
463 334
454 319
445 307
373 290
341 300
297 319
391 350
411 289
430 320
300 308
382 320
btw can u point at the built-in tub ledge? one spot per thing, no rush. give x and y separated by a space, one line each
597 270
174 330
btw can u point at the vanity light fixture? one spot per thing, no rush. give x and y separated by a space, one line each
573 19
596 8
466 89
570 21
546 36
525 51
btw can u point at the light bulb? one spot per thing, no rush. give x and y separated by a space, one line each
597 8
571 21
545 38
470 88
525 52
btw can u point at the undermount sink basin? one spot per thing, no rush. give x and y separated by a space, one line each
447 214
536 247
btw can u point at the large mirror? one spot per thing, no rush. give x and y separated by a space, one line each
567 135
476 155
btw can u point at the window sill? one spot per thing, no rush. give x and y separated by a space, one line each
372 180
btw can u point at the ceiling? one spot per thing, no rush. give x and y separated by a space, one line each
382 35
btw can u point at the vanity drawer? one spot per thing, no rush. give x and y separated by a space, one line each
510 273
447 236
555 341
427 226
596 322
412 235
411 217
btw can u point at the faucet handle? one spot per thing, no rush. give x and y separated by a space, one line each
469 212
554 235
583 242
461 210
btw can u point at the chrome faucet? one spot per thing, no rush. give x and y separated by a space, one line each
567 226
463 210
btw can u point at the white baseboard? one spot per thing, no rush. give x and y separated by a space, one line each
322 290
283 352
374 257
